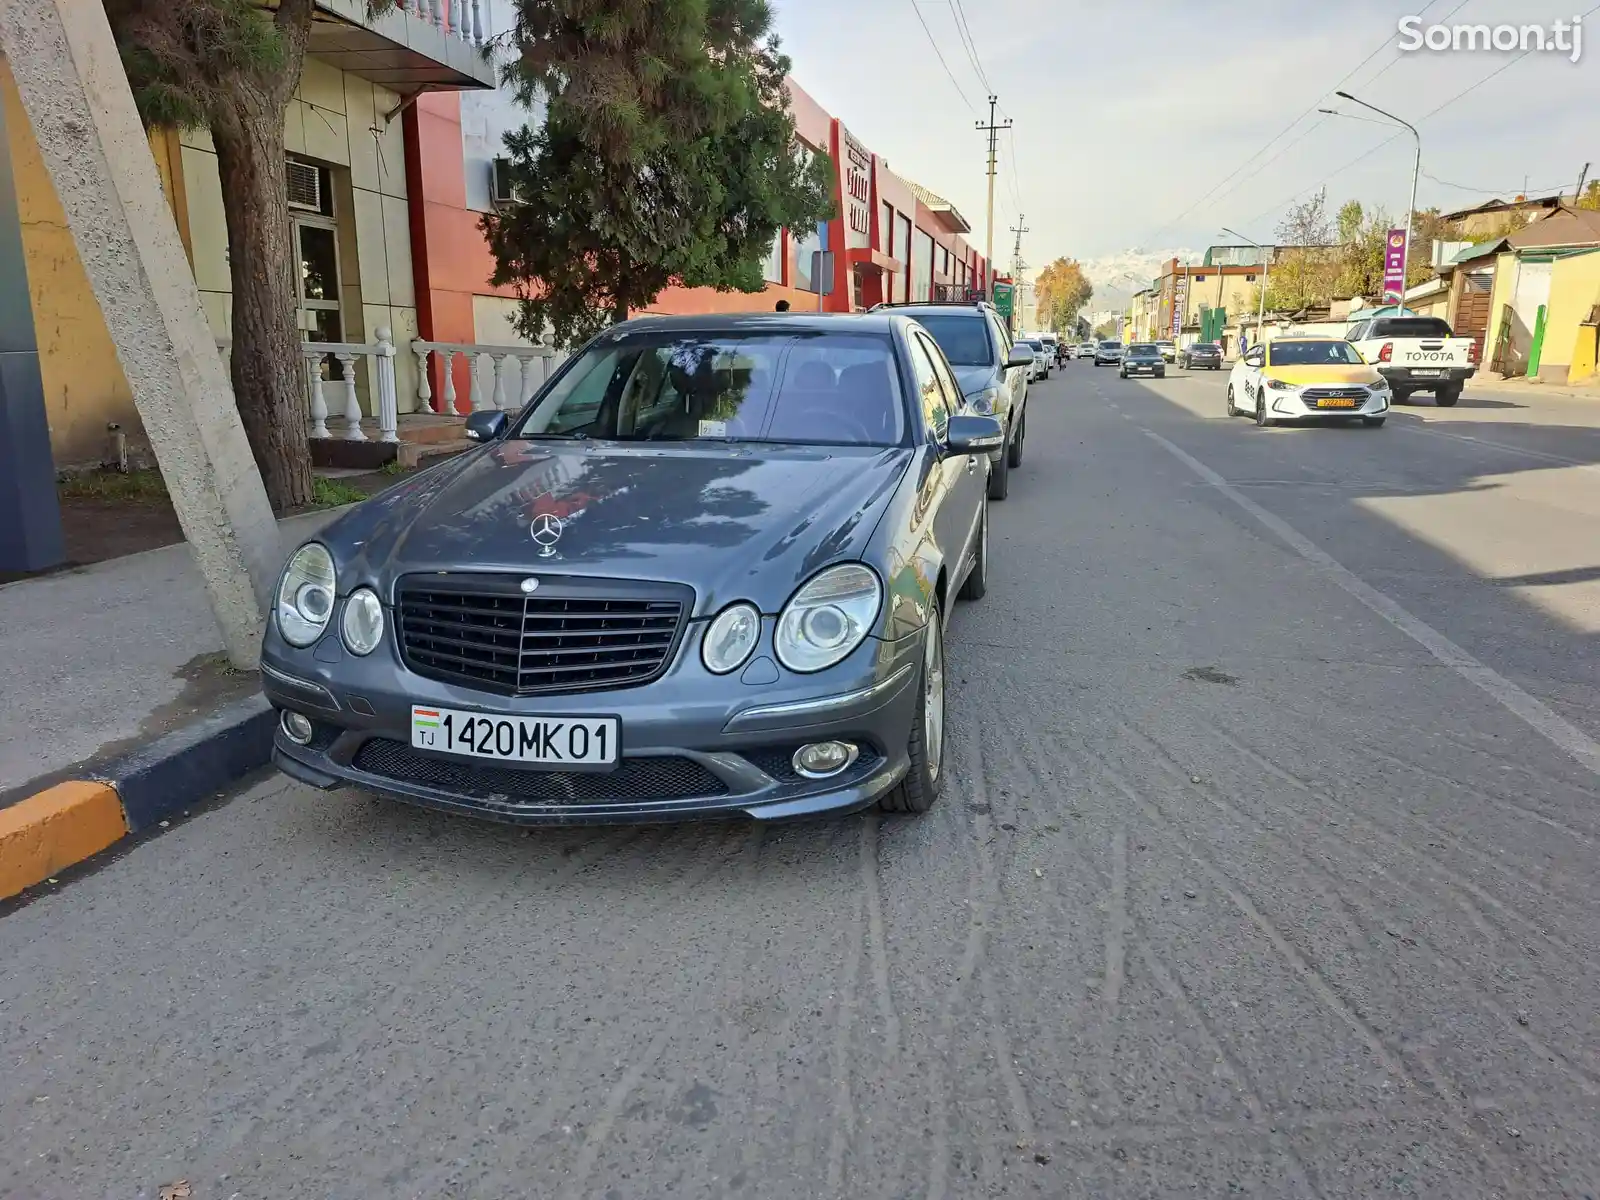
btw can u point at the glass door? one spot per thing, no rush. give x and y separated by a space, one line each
321 320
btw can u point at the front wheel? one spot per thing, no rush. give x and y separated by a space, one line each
1263 421
919 789
1000 477
1014 455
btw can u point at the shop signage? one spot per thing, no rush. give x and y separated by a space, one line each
1180 301
1394 265
856 183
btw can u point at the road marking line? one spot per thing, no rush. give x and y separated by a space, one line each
1426 427
1534 713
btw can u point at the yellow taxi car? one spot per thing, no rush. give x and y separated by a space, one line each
1307 379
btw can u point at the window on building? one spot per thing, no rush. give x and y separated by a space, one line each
886 229
921 266
773 271
1199 278
802 247
1250 277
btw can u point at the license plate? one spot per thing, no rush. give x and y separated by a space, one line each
1421 371
544 741
1337 402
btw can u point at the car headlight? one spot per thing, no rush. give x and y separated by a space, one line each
305 595
828 618
730 638
984 401
1381 386
363 621
1280 385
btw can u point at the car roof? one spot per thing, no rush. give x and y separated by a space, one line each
769 322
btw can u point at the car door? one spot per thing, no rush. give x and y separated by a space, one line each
1250 367
962 478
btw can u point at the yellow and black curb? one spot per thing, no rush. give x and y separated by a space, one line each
54 828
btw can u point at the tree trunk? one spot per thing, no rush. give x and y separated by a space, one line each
267 371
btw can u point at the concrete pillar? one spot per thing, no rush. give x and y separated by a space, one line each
65 63
30 519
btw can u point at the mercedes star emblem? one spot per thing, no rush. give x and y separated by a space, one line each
529 586
546 530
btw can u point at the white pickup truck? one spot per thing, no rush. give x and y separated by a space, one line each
1416 354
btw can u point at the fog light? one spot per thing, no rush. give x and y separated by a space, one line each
296 727
819 760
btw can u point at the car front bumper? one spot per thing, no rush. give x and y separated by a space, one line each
693 745
1144 368
1293 406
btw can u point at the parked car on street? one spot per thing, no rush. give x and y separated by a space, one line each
1201 356
1417 354
1107 353
1086 350
993 373
1143 358
1299 379
707 571
1041 359
1052 347
1169 351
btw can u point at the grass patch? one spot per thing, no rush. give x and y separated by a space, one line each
392 467
333 493
132 487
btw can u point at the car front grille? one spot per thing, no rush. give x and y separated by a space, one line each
568 635
636 780
1314 394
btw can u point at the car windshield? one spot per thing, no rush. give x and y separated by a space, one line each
665 385
1163 345
1143 349
1311 354
1423 327
1203 347
964 338
1033 344
1110 345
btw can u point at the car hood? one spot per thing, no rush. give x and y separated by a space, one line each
732 521
1331 374
974 379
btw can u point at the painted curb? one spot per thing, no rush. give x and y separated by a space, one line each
65 824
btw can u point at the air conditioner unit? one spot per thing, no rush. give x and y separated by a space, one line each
501 188
305 186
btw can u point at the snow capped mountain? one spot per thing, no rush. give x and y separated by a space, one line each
1107 272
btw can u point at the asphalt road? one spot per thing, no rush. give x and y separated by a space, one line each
1266 866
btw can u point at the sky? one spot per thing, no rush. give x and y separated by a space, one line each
1143 127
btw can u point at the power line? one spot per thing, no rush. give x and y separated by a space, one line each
1462 187
1505 66
940 56
1279 135
964 31
1011 164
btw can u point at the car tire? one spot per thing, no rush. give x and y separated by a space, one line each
1399 396
918 791
1233 409
1162 374
1014 454
1000 477
1373 422
1447 397
977 583
1263 421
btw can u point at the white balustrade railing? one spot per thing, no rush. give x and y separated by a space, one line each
467 20
313 356
499 377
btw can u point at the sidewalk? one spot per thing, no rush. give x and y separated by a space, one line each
99 660
1587 390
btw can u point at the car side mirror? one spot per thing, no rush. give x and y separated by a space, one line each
486 426
971 433
1019 358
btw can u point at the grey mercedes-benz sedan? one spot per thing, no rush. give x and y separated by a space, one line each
707 570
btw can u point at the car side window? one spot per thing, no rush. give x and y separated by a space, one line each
1000 338
947 379
1256 358
930 391
1355 331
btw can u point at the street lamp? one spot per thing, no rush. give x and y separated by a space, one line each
1261 316
1416 169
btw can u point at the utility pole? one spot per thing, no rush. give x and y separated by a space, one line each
1017 268
993 130
1583 175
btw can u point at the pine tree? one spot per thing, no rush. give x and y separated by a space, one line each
667 155
231 67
